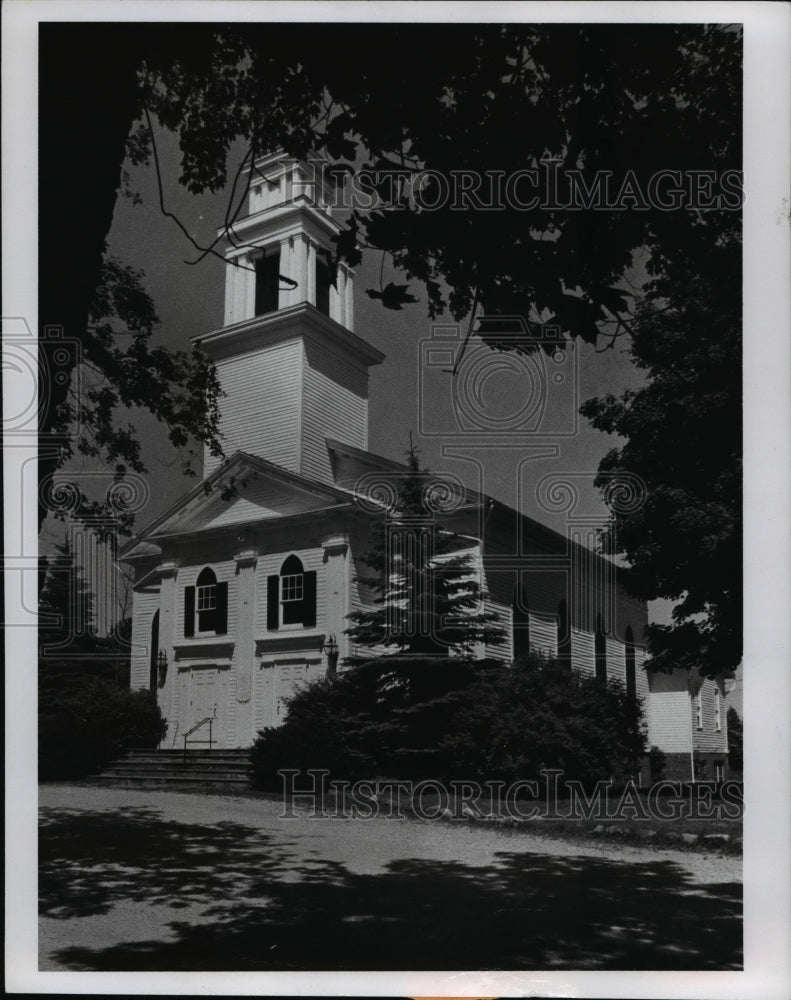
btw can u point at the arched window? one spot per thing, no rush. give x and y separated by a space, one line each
292 591
631 672
520 619
600 646
206 600
291 596
152 666
564 633
206 606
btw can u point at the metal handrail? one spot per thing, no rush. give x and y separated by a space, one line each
210 719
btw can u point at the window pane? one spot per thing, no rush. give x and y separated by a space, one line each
292 588
207 598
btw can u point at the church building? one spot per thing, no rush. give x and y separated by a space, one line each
243 586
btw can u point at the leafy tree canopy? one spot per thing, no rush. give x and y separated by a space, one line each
631 100
683 438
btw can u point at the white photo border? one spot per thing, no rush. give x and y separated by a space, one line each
767 649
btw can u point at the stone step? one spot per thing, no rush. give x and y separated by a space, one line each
211 769
198 773
168 759
169 781
236 754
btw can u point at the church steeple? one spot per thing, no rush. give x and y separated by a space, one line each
292 369
284 245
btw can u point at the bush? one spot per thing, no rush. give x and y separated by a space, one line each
381 717
656 763
450 718
95 722
540 714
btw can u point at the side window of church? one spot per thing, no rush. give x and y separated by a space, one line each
267 283
322 286
520 617
291 596
631 671
206 606
600 649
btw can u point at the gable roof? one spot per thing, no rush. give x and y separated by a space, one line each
244 488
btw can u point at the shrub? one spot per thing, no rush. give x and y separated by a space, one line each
451 718
656 763
95 722
539 714
382 716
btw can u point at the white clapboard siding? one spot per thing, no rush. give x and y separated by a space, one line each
708 739
641 675
544 634
270 565
669 707
260 411
335 405
145 604
616 661
583 652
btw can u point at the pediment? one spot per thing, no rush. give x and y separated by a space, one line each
244 489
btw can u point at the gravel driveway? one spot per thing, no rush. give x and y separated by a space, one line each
157 880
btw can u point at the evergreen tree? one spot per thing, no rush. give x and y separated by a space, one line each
427 602
69 647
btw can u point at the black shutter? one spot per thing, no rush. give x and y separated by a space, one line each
309 599
189 611
221 610
273 602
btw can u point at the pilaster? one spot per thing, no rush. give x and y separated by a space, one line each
168 571
311 265
338 589
245 645
230 296
247 272
349 296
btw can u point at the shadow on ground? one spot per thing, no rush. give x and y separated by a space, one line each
263 911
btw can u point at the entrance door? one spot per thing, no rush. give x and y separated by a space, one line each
204 701
289 677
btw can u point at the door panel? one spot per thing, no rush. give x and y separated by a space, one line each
289 677
205 691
